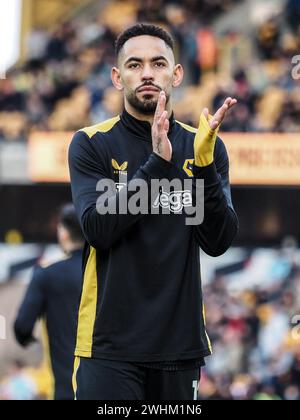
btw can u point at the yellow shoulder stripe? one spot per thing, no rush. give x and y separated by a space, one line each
44 263
102 127
188 127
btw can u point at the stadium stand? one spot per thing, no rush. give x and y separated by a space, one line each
65 82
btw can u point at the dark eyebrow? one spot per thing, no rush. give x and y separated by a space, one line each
139 60
159 57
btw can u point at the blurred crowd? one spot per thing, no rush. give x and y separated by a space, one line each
253 314
22 382
252 311
65 84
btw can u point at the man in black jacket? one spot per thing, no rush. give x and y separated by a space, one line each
141 327
53 295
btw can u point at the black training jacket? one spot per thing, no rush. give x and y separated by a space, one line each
141 299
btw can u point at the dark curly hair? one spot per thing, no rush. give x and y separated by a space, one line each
143 29
68 219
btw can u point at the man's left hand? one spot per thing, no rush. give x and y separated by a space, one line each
205 138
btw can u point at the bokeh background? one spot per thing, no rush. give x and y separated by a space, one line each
55 78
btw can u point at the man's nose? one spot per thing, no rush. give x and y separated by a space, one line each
147 72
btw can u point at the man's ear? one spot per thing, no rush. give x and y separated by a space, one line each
177 75
116 78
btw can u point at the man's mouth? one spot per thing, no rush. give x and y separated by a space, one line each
147 89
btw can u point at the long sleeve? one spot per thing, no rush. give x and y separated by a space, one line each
220 224
32 307
87 168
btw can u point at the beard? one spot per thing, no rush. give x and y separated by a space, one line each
147 105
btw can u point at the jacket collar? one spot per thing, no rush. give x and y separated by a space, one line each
141 128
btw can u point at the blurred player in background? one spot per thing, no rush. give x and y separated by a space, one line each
53 295
141 330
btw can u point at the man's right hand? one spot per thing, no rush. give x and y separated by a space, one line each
160 127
